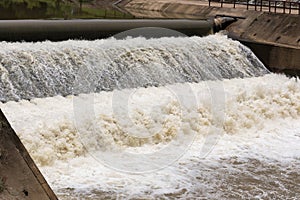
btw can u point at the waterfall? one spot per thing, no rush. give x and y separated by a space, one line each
45 69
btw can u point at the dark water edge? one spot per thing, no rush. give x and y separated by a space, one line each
59 9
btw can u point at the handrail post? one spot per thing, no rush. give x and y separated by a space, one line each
209 3
298 8
261 5
283 7
221 3
233 3
247 4
255 4
269 6
275 6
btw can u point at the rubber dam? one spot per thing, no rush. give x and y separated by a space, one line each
172 116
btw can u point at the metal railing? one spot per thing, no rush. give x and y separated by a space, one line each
261 5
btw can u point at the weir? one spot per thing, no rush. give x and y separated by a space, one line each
49 69
37 70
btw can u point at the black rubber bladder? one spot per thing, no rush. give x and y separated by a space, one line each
57 30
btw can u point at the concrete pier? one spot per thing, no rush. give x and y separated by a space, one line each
19 176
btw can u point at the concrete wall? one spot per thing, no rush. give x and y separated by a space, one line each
19 176
277 58
274 38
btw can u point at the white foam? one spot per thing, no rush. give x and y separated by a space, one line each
257 128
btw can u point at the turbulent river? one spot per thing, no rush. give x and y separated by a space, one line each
163 118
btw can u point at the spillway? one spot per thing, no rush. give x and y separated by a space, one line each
45 69
153 118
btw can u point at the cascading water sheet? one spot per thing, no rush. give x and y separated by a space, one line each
45 69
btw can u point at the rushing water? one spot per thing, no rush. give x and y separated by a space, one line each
72 67
226 128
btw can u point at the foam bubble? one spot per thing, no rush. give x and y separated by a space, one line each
256 156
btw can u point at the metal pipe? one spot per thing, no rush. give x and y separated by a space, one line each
56 30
